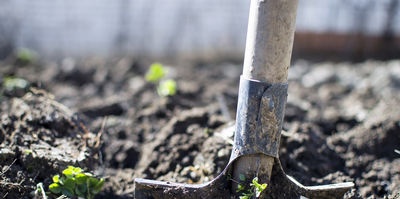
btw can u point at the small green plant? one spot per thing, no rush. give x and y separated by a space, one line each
255 188
156 75
26 56
167 88
13 86
208 131
74 182
28 152
11 83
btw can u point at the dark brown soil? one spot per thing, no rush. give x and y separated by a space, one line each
342 123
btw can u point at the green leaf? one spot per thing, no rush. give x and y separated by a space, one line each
155 73
98 186
71 171
255 181
67 192
246 195
240 188
26 55
81 178
68 171
92 182
69 183
80 190
28 151
77 170
55 188
259 188
12 83
167 88
56 178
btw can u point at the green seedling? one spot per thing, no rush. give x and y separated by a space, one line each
28 151
156 75
208 131
259 188
167 88
26 56
74 182
11 83
255 188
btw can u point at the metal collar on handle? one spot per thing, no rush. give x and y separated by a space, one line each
259 118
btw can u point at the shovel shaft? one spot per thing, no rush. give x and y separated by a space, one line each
269 40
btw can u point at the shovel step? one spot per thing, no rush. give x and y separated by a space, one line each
281 186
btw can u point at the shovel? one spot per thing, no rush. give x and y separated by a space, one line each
261 104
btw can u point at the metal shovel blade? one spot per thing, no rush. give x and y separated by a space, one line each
217 188
281 186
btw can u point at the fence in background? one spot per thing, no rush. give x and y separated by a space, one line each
198 29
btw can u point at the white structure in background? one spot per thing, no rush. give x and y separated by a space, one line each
167 28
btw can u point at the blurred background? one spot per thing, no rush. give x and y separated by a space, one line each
207 30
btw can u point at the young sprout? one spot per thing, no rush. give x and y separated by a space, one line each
259 188
11 83
26 56
155 73
76 183
167 88
255 188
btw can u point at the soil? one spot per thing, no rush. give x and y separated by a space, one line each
342 123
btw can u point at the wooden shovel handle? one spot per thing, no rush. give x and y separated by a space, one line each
269 40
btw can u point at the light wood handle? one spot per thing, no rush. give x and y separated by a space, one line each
269 40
